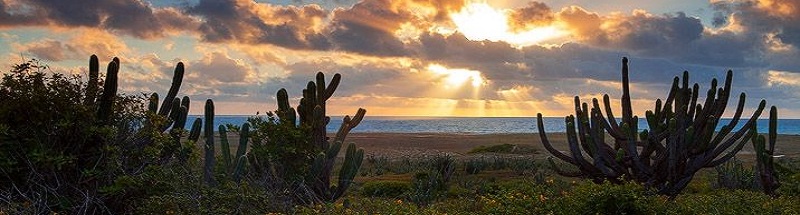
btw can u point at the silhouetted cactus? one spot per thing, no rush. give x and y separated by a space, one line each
208 168
105 109
194 132
91 86
313 120
234 166
680 142
765 165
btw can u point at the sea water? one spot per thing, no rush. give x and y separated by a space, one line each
476 125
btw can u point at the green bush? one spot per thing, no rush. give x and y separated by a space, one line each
55 152
391 189
426 187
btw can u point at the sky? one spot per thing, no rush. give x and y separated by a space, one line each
418 57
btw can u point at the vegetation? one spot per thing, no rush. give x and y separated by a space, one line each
681 141
301 157
69 145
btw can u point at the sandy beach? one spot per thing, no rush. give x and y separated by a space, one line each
422 144
415 144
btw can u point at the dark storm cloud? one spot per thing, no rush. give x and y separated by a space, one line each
249 22
132 17
496 59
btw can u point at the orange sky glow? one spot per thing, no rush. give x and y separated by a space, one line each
419 57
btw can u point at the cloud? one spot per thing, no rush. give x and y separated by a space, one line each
80 45
217 67
131 17
244 21
534 14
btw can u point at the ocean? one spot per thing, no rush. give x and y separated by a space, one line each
475 125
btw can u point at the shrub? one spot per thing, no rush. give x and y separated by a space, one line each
55 149
733 175
391 189
426 187
475 165
502 148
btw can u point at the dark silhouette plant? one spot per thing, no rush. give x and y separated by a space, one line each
680 141
295 150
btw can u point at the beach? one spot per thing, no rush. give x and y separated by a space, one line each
395 145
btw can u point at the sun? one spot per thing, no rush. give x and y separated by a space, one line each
457 77
479 21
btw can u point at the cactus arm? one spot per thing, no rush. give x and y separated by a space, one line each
352 163
559 171
332 86
226 148
241 158
105 110
91 86
547 145
152 106
614 132
733 152
348 124
725 145
194 132
764 154
177 78
627 111
610 114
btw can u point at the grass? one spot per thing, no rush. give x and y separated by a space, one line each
504 149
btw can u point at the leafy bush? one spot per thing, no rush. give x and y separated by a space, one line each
392 189
55 150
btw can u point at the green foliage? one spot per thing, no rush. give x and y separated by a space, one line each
475 165
733 175
390 189
376 166
426 187
302 156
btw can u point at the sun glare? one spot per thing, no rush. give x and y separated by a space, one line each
479 21
457 77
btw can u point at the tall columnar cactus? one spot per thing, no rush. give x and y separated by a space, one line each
105 109
234 165
680 141
91 86
765 165
171 107
208 168
312 116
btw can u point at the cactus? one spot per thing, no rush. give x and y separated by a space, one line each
194 133
234 166
105 110
681 139
241 157
226 148
91 86
208 168
311 114
765 165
